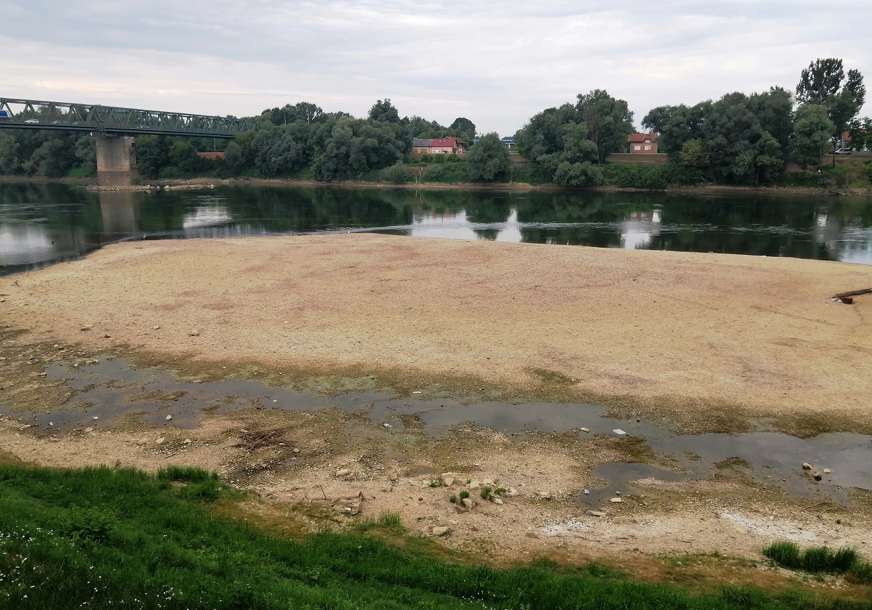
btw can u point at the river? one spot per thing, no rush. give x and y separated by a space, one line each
45 223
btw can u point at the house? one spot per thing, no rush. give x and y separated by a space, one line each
508 142
437 146
642 143
212 156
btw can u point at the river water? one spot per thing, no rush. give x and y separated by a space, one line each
43 223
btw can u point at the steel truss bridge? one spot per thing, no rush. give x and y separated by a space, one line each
109 120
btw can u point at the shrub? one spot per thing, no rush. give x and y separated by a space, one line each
396 174
820 559
445 172
636 176
578 174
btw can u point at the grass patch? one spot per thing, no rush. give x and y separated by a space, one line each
820 559
101 538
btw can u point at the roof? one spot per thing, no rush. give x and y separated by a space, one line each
641 137
449 142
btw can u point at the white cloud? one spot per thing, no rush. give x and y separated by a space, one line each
495 62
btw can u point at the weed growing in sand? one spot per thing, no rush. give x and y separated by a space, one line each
820 559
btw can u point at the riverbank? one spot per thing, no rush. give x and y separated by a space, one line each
211 182
708 342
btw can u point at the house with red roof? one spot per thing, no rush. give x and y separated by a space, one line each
437 146
642 143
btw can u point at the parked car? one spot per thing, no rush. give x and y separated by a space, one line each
32 122
4 116
843 151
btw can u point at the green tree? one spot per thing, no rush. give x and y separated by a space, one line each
812 131
578 174
9 161
608 121
152 153
234 159
463 128
825 83
488 160
693 154
86 154
384 111
53 158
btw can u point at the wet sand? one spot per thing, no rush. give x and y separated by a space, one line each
700 337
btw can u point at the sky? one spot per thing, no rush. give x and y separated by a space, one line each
497 63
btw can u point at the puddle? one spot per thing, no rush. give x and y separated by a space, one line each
112 389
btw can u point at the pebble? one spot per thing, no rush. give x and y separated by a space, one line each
497 500
447 479
161 441
616 500
585 429
596 513
619 432
194 333
440 530
89 429
386 425
96 417
107 336
467 502
827 471
188 441
155 327
806 466
168 417
587 492
343 472
545 495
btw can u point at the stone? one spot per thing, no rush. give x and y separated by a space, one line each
585 429
89 429
497 500
616 500
543 494
596 513
440 530
817 476
468 503
806 466
194 333
511 492
343 472
586 492
188 441
161 441
96 417
619 432
447 479
827 471
385 425
155 327
107 336
168 418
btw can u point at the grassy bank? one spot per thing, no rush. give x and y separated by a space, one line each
102 538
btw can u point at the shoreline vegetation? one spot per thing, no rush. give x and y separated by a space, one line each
181 538
207 182
773 138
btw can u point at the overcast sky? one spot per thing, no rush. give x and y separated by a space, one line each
496 63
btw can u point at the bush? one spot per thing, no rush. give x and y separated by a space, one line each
578 174
636 176
820 559
867 168
396 174
445 172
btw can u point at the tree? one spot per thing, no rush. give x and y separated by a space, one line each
825 83
608 121
152 154
488 160
693 154
463 128
578 174
234 159
812 131
86 154
9 161
656 119
384 111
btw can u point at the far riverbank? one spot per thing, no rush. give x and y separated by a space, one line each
211 182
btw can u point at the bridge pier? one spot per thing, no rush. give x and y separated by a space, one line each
115 160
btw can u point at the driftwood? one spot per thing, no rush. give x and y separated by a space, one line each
846 297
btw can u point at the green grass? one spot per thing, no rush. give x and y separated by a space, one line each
116 538
820 559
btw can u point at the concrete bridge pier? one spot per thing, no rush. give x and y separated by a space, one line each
115 160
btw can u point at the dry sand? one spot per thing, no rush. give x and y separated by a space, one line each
702 334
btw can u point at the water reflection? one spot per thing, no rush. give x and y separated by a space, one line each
42 223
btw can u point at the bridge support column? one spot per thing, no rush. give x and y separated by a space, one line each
115 160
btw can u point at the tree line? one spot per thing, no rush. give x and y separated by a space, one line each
737 139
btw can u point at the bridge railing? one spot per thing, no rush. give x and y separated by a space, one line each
61 116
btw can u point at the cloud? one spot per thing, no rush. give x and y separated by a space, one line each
495 62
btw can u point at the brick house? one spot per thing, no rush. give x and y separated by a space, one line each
437 146
642 143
